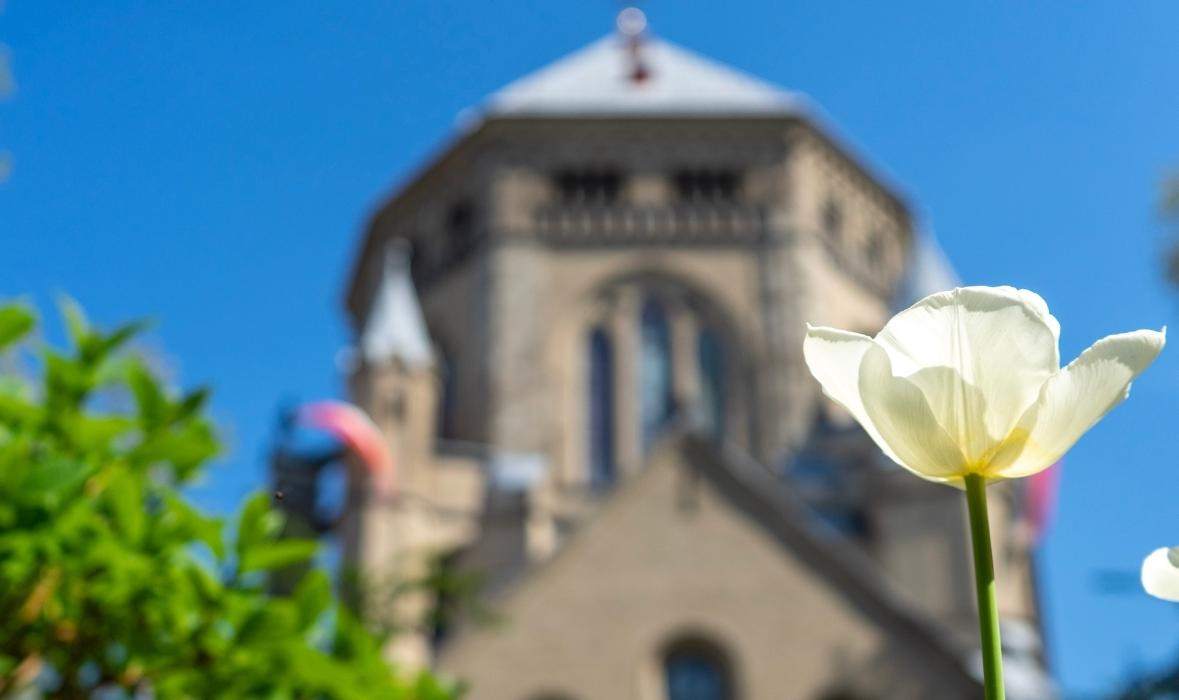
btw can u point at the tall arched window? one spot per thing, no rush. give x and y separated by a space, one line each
711 360
694 670
655 387
601 409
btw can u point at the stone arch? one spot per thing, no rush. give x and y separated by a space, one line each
614 305
694 664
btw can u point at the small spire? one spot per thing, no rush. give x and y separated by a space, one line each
394 328
632 24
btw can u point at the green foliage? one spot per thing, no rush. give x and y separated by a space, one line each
112 585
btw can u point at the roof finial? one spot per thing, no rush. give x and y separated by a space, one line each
631 21
631 24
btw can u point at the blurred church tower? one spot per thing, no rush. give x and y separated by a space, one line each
580 327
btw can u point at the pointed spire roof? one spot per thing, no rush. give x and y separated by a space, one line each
601 80
395 329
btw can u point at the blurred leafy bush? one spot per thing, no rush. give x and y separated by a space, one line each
111 584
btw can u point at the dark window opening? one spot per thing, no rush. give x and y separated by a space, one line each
460 229
832 219
589 187
696 671
707 186
601 410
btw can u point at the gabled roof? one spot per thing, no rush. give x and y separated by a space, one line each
394 328
598 80
762 498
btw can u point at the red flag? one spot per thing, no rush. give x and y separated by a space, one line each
355 429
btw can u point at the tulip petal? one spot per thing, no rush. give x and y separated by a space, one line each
1074 400
834 357
990 350
905 427
1160 573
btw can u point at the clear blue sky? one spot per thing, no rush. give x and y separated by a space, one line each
211 165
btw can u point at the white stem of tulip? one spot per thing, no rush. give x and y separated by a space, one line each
984 581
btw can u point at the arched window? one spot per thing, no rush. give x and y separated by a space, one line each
655 387
711 360
695 670
601 409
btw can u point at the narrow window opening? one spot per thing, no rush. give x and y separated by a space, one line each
656 398
707 186
601 410
589 187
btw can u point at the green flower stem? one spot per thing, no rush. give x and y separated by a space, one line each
984 581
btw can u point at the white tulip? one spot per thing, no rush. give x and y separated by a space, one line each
1160 573
969 382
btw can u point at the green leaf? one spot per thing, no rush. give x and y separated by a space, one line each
187 523
124 492
106 344
53 483
15 410
312 597
67 384
97 432
149 397
15 323
77 325
277 555
186 448
252 527
191 404
267 625
204 584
